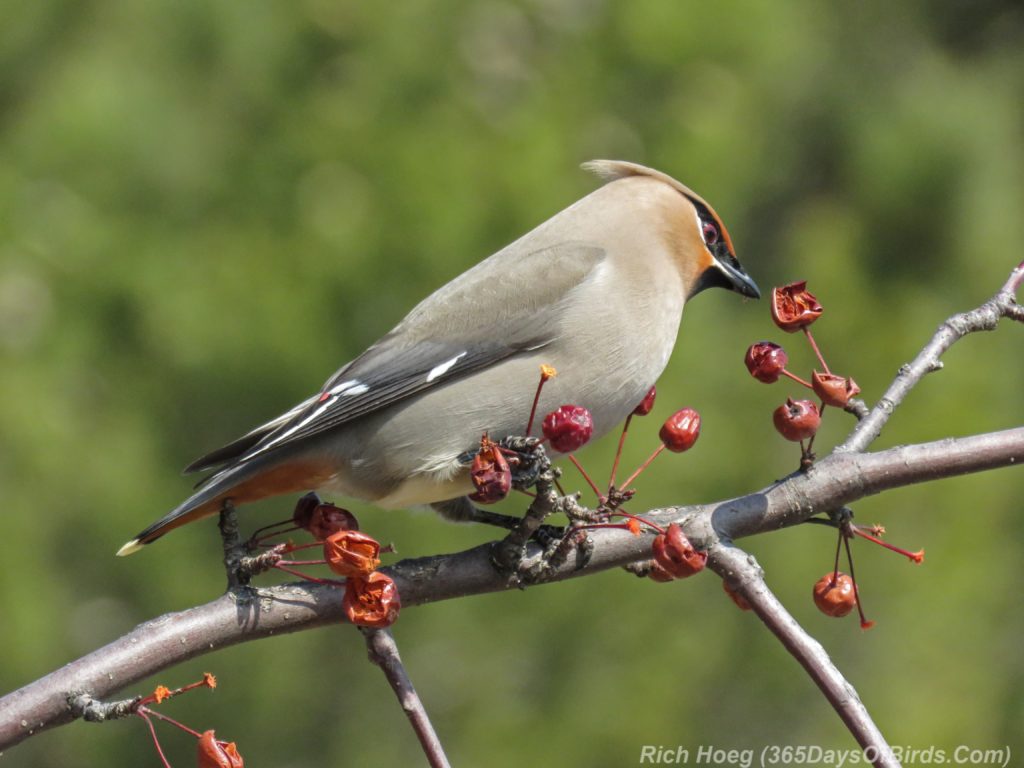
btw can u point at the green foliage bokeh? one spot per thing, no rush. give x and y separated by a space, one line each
205 208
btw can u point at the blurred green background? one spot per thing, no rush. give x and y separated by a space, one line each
205 208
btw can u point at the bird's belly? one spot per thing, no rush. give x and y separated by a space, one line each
426 489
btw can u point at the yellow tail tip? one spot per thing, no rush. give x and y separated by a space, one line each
130 548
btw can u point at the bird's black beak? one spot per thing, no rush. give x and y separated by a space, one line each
728 273
737 279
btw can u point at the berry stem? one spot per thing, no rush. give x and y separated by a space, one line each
296 547
914 557
814 346
864 623
623 513
161 716
796 378
642 467
256 534
156 741
618 451
600 496
810 443
260 542
306 576
835 567
546 372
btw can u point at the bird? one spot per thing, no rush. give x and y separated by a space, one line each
597 292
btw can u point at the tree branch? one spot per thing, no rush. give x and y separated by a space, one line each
247 613
743 573
383 651
984 318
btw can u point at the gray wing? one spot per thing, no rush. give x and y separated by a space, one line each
508 304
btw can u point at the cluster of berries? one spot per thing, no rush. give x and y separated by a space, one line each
794 308
371 597
566 430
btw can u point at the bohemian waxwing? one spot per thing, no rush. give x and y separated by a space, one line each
597 291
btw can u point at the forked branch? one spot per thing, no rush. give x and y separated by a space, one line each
246 613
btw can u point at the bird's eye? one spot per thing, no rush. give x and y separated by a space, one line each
710 232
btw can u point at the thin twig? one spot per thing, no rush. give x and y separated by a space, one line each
618 450
95 711
984 318
231 541
245 614
383 651
745 576
171 639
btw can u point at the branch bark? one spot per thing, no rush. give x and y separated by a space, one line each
383 651
248 613
984 318
745 575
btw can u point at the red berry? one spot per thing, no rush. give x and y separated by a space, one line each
736 597
211 753
647 404
766 361
681 430
304 510
794 307
329 519
371 600
674 552
659 574
834 594
322 519
834 390
568 428
490 473
351 553
797 419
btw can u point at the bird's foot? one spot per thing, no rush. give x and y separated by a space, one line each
512 557
526 459
462 510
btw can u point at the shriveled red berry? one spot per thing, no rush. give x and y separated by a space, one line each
834 390
680 430
736 597
372 600
647 404
674 552
834 594
766 361
322 519
328 519
568 428
794 307
490 473
797 419
211 753
304 510
659 574
351 553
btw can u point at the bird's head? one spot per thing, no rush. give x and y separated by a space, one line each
700 240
